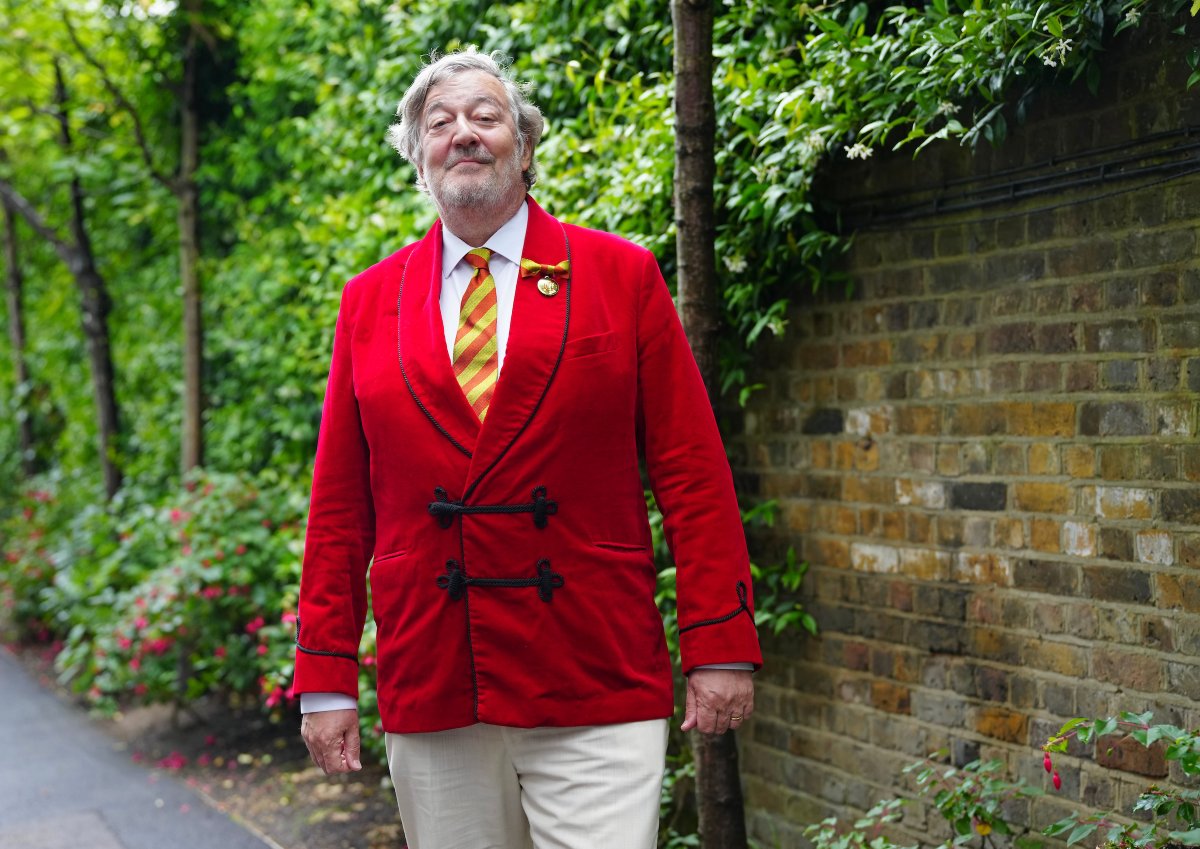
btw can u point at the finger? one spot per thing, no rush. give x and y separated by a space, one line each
689 710
353 745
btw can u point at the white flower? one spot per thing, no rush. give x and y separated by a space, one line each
736 263
947 108
822 95
858 151
1133 16
1048 59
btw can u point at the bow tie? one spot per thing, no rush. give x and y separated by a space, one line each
529 268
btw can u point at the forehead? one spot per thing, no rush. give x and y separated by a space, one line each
464 89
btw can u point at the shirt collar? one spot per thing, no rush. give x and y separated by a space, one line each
508 242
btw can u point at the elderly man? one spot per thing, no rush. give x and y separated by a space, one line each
492 392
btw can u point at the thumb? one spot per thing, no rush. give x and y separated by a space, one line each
353 744
689 710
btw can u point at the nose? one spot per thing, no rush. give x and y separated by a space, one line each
464 133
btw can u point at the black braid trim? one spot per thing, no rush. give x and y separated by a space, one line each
444 510
455 581
742 606
318 651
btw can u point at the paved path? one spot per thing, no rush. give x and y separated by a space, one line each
65 785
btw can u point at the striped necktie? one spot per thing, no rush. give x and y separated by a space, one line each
476 361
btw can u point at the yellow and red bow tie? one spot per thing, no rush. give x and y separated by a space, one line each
529 268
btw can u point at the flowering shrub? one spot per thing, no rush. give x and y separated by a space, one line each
1172 813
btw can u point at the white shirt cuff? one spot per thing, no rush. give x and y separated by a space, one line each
744 667
319 702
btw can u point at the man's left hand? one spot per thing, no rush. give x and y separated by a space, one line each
718 700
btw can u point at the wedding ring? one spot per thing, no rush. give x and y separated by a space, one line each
737 717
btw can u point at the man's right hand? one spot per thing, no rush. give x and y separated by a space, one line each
332 739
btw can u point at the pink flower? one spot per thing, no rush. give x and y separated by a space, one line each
186 550
1046 763
140 622
253 626
139 601
276 697
139 689
241 549
173 761
135 664
124 643
219 652
288 618
369 660
212 592
1057 781
262 649
203 759
177 516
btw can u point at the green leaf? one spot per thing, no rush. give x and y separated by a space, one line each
1054 26
1080 832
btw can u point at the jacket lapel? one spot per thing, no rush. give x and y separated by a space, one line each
421 345
536 337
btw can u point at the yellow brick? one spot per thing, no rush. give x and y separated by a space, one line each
1043 534
1079 461
1042 497
1043 459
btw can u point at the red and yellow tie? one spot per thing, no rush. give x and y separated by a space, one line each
476 357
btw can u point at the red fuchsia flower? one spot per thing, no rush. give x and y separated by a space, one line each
27 513
159 645
206 562
42 496
1057 781
203 759
140 623
186 550
12 556
253 626
210 740
177 516
369 660
219 652
135 663
212 592
288 618
1046 763
139 602
241 549
124 643
262 649
94 693
139 689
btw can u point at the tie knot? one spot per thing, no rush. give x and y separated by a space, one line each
478 257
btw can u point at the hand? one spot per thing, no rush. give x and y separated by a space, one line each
332 739
718 700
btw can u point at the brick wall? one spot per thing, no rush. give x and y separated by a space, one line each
989 456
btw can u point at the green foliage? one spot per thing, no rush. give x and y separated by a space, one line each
970 799
1171 813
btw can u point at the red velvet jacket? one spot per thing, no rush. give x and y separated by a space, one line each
512 577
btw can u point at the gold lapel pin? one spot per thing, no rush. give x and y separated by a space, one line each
547 286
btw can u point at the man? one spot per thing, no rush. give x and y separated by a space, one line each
480 443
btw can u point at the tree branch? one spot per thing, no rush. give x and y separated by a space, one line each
29 212
123 102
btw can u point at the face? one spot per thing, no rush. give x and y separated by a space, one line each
470 155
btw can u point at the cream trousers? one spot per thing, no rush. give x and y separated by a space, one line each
491 787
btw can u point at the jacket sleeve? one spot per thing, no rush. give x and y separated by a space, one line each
692 483
341 532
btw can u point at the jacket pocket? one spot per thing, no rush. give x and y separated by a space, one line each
589 345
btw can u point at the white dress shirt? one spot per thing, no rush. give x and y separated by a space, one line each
506 245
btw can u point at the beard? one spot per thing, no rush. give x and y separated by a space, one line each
479 190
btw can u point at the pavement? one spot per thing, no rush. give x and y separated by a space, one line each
64 784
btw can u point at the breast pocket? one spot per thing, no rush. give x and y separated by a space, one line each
586 346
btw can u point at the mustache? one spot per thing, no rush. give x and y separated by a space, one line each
478 154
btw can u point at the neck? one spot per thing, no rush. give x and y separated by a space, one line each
474 224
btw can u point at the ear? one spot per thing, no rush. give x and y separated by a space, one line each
527 156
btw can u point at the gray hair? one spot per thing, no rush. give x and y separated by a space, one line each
405 135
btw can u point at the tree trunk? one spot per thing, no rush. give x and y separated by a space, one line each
16 338
192 436
718 784
695 170
95 307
